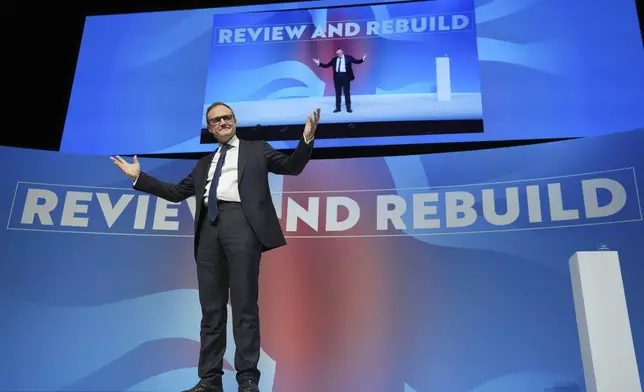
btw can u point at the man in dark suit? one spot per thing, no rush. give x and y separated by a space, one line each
235 222
342 76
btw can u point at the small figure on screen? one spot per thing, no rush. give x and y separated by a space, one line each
342 76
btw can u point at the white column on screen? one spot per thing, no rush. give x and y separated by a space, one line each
607 349
443 79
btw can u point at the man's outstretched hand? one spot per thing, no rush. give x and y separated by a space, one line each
131 170
311 125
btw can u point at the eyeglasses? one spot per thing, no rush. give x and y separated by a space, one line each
216 120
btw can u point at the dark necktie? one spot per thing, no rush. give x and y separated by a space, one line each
212 195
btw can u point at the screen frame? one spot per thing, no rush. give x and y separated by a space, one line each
291 132
361 129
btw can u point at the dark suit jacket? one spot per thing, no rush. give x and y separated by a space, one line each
256 160
348 64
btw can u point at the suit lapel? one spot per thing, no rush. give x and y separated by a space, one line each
244 154
201 183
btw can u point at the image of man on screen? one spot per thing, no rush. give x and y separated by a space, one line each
235 222
342 76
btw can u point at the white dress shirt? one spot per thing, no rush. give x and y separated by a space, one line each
227 189
340 64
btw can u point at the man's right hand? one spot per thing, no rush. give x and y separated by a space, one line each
316 61
131 170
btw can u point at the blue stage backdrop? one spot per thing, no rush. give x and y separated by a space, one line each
419 273
263 63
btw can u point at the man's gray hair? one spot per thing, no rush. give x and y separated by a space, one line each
215 104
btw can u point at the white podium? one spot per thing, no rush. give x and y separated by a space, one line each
605 336
443 79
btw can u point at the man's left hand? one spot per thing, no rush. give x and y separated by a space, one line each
311 125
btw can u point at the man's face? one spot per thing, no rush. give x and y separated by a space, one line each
221 123
339 52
